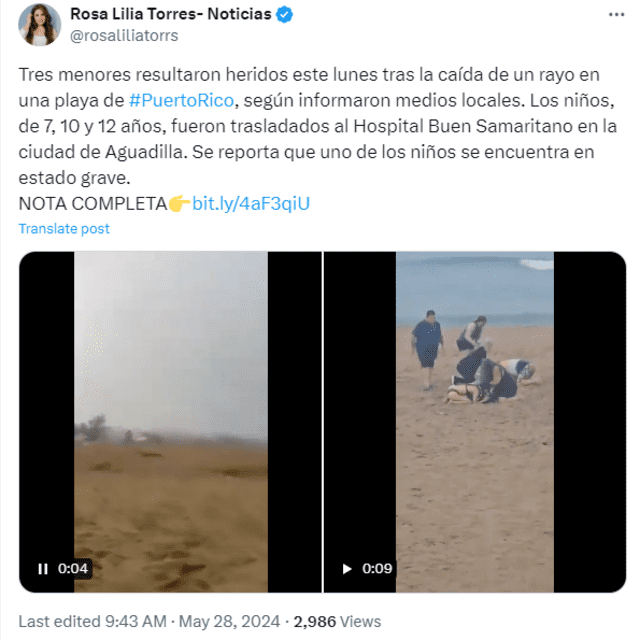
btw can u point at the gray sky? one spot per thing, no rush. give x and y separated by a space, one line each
173 341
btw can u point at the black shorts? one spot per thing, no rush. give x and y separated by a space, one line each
427 354
464 344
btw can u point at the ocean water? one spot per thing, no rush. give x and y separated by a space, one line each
508 288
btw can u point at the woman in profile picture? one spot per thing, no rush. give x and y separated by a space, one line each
39 29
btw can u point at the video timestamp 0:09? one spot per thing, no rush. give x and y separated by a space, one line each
378 568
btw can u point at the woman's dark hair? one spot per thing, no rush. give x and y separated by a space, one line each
48 24
480 319
431 312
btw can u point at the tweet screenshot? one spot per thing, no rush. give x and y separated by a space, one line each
294 273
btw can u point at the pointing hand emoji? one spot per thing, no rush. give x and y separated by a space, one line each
175 204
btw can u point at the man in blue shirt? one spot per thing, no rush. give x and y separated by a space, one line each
425 339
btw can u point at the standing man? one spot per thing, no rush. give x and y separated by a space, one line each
425 339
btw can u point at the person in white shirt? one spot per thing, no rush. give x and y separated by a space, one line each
522 370
39 30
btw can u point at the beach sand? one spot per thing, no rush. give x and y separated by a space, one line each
475 482
171 518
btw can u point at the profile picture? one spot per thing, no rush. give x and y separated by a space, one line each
39 25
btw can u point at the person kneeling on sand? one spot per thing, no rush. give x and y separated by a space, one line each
467 367
522 370
491 383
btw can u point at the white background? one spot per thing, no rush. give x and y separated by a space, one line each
428 205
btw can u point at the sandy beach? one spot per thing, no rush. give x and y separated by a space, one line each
475 482
171 518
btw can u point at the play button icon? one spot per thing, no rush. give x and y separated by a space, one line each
345 569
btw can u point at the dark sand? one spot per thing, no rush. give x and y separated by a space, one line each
475 482
171 518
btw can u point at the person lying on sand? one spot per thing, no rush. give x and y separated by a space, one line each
492 383
522 370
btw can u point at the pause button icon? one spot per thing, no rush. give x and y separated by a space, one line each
42 569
